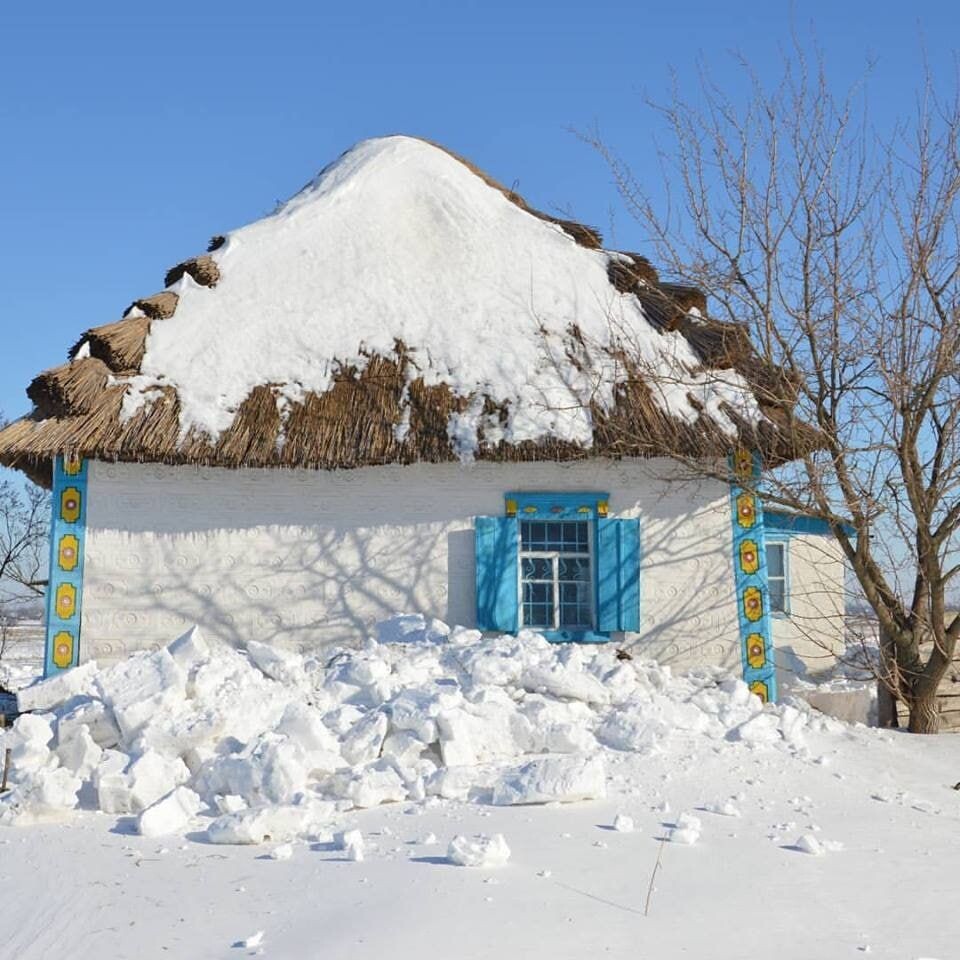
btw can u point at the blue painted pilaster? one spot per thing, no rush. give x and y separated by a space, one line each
65 588
750 576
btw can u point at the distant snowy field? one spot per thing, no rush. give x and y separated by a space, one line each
22 659
780 833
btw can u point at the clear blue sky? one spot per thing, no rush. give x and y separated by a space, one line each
132 132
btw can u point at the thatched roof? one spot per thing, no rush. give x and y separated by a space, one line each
646 373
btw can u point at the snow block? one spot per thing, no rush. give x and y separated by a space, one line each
304 724
632 729
411 628
151 776
565 681
39 795
80 754
376 785
92 714
480 733
402 749
190 649
277 822
362 744
479 851
141 687
284 666
28 741
453 783
46 694
351 843
686 830
764 728
566 779
170 814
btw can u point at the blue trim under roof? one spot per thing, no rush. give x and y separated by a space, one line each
798 524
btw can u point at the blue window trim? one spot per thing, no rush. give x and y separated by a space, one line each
543 505
572 636
558 506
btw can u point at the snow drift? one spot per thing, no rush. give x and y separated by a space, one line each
265 743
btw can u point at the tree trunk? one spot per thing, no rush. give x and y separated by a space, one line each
887 683
924 710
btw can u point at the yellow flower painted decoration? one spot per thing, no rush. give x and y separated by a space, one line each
743 464
759 688
63 649
756 654
746 510
70 505
752 604
68 552
72 465
66 601
749 557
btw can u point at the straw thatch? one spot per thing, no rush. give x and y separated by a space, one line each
119 345
74 388
203 269
78 406
159 306
630 272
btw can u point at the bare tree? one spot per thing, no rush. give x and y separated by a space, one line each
837 249
24 537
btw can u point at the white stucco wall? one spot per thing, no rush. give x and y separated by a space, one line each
306 558
808 639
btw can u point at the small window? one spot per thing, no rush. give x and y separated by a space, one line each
556 575
777 577
558 563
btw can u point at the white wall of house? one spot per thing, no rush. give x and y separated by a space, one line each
810 637
308 558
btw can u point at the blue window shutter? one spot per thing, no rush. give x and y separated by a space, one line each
497 557
618 574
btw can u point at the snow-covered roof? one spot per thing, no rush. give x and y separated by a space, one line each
402 306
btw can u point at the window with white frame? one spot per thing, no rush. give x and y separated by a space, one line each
777 577
556 575
556 562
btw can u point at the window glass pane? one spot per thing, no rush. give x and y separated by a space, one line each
531 535
538 605
569 592
573 568
574 605
538 593
537 568
775 565
575 615
778 595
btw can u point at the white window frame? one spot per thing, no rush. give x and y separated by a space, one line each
554 556
785 546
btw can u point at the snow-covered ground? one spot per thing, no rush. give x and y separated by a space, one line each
22 659
741 793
